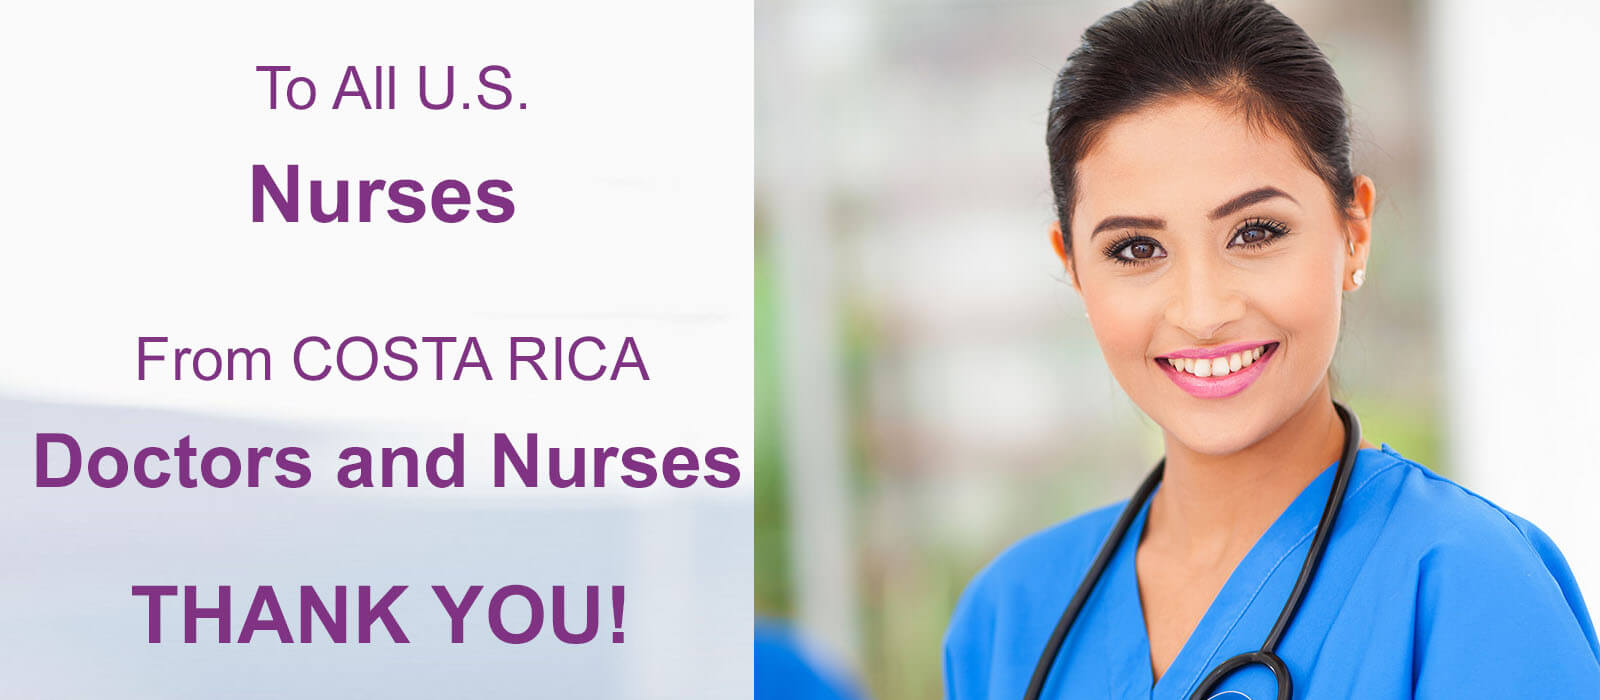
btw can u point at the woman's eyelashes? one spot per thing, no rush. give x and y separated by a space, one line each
1252 234
1134 250
1257 233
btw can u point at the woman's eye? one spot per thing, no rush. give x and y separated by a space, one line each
1258 232
1140 250
1251 235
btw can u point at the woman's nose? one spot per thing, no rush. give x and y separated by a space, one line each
1203 300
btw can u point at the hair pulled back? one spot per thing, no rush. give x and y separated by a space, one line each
1243 53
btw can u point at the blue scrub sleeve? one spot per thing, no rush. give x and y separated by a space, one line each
1500 616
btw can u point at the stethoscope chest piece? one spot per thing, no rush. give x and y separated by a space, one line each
1226 668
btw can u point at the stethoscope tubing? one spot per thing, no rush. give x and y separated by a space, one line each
1052 648
1267 655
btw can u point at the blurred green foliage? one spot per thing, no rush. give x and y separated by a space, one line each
772 574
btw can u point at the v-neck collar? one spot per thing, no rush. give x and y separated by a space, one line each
1130 675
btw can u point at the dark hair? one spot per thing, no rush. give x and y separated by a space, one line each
1244 53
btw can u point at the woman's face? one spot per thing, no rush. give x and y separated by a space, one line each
1199 239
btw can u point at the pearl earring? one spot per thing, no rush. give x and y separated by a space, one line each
1358 277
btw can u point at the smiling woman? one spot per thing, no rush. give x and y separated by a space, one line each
1209 217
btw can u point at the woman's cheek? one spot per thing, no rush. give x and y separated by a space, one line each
1124 328
1305 303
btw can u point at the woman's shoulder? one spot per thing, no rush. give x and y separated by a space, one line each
1013 600
1042 568
1458 537
1047 556
1487 584
1439 516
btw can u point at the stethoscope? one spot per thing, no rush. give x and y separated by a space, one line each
1266 656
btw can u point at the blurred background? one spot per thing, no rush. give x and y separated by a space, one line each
928 390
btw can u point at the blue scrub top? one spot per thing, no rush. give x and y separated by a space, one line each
1426 590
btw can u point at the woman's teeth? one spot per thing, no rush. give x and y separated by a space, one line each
1216 366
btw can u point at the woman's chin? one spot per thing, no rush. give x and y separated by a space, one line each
1206 438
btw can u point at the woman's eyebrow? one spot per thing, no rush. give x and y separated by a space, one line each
1244 200
1259 194
1111 222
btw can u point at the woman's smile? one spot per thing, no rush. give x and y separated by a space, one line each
1217 372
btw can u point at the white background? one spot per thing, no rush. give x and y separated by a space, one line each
130 134
1517 150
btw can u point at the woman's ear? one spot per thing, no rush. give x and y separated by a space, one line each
1358 230
1058 242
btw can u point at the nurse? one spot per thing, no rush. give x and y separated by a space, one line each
1210 220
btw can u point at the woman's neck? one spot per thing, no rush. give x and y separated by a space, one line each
1211 509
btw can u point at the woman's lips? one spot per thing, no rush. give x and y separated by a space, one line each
1228 369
